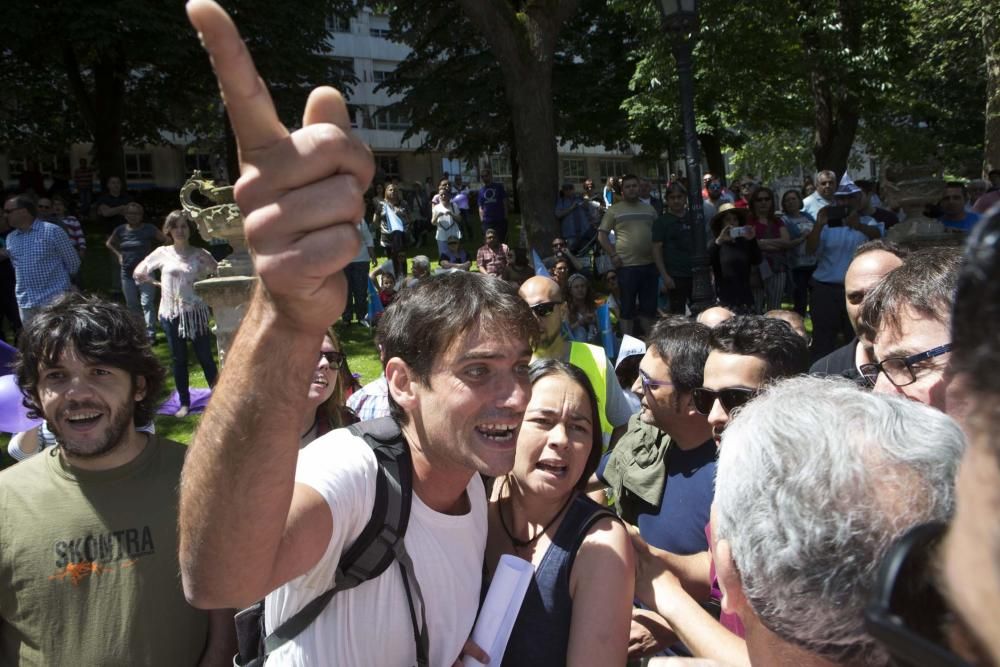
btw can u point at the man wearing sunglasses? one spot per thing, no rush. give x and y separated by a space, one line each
910 313
662 470
545 299
745 353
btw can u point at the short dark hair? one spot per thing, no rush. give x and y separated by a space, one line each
784 351
958 185
925 282
675 186
976 316
27 202
425 319
99 331
547 367
683 344
629 177
884 246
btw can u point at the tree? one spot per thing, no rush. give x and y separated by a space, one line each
482 77
131 71
991 45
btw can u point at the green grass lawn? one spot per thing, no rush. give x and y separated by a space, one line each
99 274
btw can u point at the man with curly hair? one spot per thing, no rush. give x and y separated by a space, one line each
88 571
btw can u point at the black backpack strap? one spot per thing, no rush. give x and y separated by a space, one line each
380 541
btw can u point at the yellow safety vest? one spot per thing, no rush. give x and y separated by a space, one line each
591 360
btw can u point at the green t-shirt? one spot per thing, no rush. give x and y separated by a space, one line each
88 564
675 235
633 227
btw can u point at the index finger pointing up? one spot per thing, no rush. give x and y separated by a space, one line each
251 111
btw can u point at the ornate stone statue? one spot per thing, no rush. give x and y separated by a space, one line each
228 294
221 219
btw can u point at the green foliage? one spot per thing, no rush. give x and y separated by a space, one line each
452 86
143 58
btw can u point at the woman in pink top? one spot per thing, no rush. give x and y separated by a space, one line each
183 315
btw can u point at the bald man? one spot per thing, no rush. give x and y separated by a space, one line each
714 316
872 261
545 299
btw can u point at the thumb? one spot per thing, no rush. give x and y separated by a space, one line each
326 105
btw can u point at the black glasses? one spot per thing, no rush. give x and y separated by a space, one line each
900 370
544 309
731 398
907 613
649 383
335 359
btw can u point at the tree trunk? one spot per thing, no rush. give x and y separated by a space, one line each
711 148
991 40
524 42
102 109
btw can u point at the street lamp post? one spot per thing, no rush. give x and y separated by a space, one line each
680 21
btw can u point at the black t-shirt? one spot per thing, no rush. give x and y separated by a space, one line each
108 199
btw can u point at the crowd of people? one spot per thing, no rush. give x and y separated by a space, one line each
722 493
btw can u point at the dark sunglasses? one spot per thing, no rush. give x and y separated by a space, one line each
335 359
544 309
907 613
731 398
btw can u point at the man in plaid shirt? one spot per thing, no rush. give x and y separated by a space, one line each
43 255
494 257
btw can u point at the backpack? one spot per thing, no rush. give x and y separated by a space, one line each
376 548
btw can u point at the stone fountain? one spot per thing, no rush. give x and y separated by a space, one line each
229 294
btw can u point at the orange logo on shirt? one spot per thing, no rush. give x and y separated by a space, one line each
75 572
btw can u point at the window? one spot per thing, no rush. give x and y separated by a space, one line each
139 166
338 24
574 169
384 33
388 118
381 75
616 168
357 115
501 167
387 166
343 67
200 161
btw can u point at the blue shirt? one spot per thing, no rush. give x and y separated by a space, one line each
813 203
678 524
836 250
965 224
44 259
491 202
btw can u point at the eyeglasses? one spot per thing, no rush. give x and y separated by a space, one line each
731 398
907 613
544 309
334 358
900 370
649 383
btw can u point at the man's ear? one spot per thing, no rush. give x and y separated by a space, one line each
730 581
400 378
687 405
140 388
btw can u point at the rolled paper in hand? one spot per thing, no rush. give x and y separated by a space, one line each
500 609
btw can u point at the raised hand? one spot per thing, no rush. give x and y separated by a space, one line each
300 193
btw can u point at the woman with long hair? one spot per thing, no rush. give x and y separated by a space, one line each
184 317
327 401
392 220
803 263
774 241
577 610
581 309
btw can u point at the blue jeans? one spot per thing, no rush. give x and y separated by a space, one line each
179 360
357 291
640 282
141 299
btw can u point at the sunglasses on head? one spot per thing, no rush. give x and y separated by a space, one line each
544 309
334 358
730 398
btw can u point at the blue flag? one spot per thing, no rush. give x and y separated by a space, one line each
607 333
540 269
374 303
